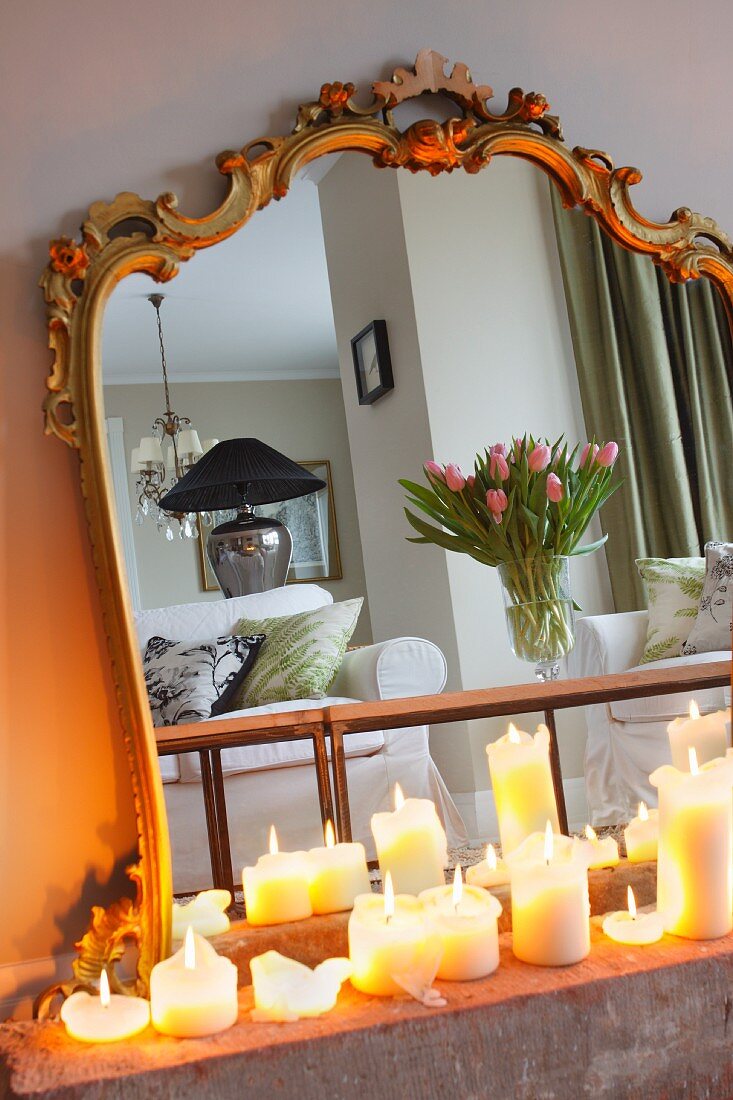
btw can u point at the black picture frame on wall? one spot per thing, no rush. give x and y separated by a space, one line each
372 362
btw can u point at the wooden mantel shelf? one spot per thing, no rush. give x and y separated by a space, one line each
626 1022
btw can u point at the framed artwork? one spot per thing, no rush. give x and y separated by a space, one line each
311 521
372 362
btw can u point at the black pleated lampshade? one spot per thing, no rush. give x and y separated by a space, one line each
238 471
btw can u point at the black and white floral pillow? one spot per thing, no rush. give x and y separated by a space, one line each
191 681
712 629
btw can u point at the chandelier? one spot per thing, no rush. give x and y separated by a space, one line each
158 472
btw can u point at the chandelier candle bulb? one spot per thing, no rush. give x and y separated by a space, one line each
597 852
465 918
641 835
629 927
338 873
206 914
519 767
550 906
695 861
707 734
107 1018
411 844
277 888
194 992
491 871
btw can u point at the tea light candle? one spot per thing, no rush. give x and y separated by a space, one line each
491 871
465 918
550 906
338 873
277 889
630 927
194 992
519 766
694 867
106 1018
707 734
597 853
389 935
286 990
411 844
206 914
641 835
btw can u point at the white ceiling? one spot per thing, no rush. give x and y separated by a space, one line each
257 306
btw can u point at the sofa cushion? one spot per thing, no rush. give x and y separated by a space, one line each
712 628
673 588
170 769
279 754
663 708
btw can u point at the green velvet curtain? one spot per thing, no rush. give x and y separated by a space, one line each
655 369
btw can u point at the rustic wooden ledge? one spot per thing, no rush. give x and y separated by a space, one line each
626 1022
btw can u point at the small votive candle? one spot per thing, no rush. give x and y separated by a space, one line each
194 992
338 873
277 888
206 914
707 734
286 990
629 927
411 844
107 1018
641 835
489 872
465 918
597 853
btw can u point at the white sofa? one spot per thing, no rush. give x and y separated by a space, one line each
627 738
276 784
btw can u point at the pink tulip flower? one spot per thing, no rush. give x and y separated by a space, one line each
471 481
498 449
498 463
588 450
434 469
454 479
496 502
539 458
555 490
607 455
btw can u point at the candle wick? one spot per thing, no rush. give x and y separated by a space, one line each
387 919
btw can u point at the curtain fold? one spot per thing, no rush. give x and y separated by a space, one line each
655 371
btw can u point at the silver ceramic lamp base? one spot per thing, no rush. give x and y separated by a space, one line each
249 554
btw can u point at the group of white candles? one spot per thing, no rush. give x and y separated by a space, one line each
421 928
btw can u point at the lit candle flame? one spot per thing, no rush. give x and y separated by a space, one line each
631 902
388 897
457 887
189 950
591 834
643 812
274 849
104 989
694 710
513 734
399 798
329 835
491 857
692 756
549 841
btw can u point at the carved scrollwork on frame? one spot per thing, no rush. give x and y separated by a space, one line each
133 234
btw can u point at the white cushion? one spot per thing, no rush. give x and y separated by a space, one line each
663 708
279 754
200 622
170 771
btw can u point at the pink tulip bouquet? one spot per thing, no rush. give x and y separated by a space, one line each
524 509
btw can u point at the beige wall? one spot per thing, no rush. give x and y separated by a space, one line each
83 120
303 419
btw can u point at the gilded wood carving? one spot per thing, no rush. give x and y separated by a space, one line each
132 234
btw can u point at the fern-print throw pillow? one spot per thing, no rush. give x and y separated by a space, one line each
673 589
301 655
192 681
711 630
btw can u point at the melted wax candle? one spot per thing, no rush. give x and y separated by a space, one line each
630 927
489 872
706 734
465 918
277 888
641 835
519 766
194 992
411 844
107 1018
338 873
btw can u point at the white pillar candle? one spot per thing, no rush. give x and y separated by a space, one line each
629 927
490 872
285 990
194 992
206 914
465 918
411 844
694 871
107 1018
550 906
707 734
390 936
641 835
595 852
519 766
277 888
338 873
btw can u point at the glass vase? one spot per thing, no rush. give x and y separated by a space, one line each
539 611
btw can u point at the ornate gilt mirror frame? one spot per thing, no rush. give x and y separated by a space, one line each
131 234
